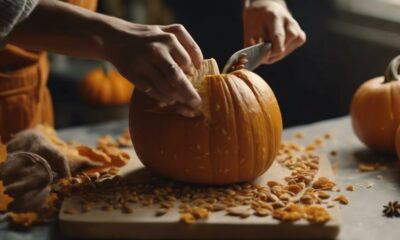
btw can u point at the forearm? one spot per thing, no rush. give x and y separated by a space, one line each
63 28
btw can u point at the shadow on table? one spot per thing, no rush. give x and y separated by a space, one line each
387 163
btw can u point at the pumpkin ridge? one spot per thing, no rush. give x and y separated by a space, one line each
237 105
208 82
267 120
218 91
256 93
227 84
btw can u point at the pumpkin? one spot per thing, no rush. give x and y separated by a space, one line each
25 100
105 86
235 139
375 110
88 4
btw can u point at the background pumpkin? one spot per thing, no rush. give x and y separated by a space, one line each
105 86
375 109
88 4
235 140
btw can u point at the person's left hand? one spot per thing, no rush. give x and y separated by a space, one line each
268 20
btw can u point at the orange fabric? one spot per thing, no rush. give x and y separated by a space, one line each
24 98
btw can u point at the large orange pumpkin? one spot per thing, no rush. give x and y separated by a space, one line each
234 140
375 109
105 86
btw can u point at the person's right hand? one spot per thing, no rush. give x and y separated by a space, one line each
156 60
26 177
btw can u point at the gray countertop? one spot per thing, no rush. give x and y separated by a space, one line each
362 218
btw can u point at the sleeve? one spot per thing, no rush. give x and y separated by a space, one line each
12 12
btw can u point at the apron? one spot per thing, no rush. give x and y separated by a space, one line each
25 100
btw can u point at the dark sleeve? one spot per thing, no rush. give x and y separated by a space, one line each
12 12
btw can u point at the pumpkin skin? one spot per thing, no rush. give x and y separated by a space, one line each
397 142
235 140
105 87
375 110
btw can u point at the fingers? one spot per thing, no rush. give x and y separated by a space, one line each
187 42
185 111
178 52
174 76
250 33
295 37
160 62
277 58
271 21
277 35
161 89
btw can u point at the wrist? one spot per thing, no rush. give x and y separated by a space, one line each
110 36
102 35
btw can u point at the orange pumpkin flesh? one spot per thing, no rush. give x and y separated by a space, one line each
235 140
375 110
105 86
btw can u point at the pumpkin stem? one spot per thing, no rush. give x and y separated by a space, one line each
107 68
392 70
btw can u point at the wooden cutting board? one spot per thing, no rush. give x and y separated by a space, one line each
143 224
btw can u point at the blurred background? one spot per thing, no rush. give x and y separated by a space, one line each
348 42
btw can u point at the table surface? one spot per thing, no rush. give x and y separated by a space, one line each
362 218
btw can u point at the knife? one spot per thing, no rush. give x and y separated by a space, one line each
254 55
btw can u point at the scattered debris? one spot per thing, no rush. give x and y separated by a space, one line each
350 188
341 199
369 185
369 167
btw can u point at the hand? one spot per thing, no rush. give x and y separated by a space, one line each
268 20
26 177
32 140
156 59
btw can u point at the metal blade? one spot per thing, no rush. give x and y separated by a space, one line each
254 55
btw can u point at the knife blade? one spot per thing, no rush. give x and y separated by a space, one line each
254 55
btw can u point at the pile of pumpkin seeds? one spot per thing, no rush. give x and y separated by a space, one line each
300 196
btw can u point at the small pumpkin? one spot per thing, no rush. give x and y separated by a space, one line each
375 110
235 139
105 86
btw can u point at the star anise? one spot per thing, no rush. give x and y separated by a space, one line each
392 209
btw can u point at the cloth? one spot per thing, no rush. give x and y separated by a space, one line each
12 12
